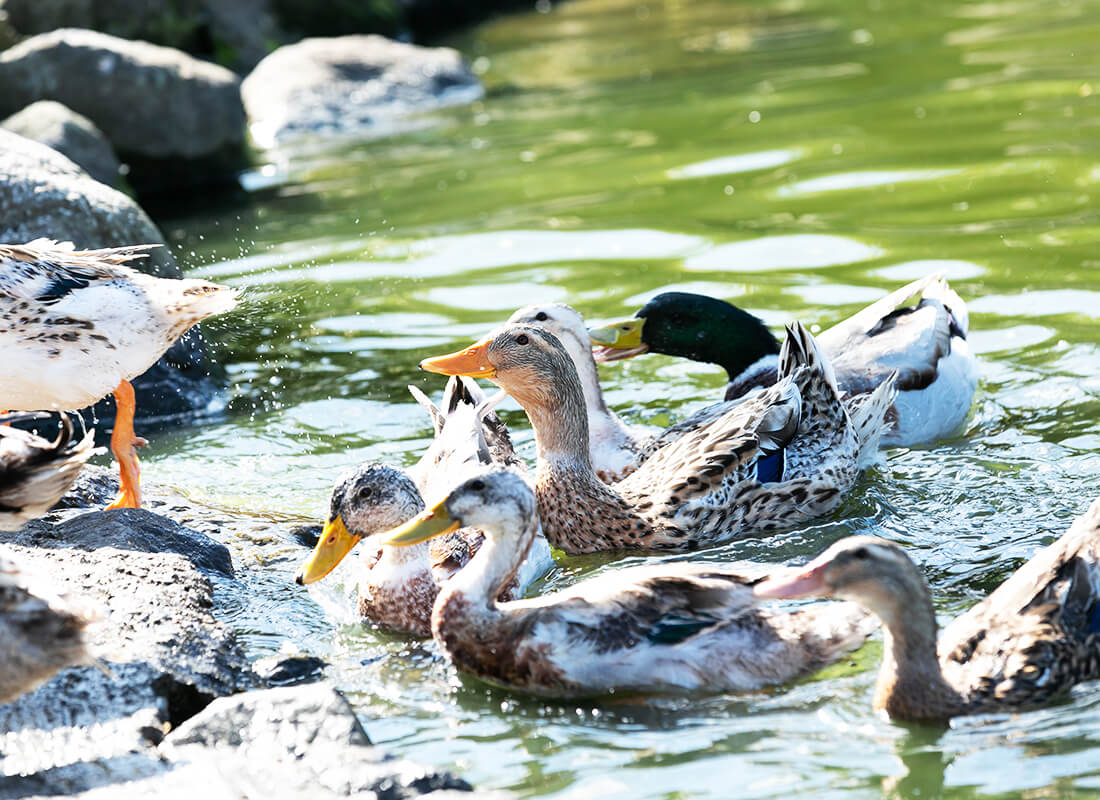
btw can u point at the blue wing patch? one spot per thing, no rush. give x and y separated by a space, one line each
769 468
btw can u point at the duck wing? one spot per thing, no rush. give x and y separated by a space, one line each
35 472
44 271
892 335
1038 633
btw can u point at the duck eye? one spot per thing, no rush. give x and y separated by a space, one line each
365 493
477 486
522 339
542 316
861 554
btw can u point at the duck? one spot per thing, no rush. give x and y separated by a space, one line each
653 628
774 460
1031 640
919 331
41 631
614 447
397 586
35 472
77 325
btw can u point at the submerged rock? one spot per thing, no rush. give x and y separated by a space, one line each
156 105
361 85
43 193
70 134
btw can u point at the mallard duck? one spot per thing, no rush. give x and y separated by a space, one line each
40 631
614 447
76 325
35 472
780 457
924 343
397 585
1032 639
651 628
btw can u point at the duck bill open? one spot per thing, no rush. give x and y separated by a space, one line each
472 362
806 582
428 524
336 542
618 340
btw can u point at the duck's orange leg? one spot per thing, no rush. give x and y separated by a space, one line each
123 444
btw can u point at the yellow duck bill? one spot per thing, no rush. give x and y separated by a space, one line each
336 542
472 362
618 340
428 524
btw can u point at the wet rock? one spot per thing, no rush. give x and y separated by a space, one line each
234 33
290 670
296 742
165 657
70 134
157 106
43 193
362 85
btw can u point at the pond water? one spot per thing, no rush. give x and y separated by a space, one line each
799 157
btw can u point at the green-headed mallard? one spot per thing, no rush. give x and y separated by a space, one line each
77 325
666 627
1032 639
925 343
777 459
397 585
35 472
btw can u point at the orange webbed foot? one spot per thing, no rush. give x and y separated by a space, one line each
124 444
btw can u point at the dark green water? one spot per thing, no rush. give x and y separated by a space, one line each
800 158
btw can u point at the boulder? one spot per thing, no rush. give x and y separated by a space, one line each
351 85
156 105
70 134
45 194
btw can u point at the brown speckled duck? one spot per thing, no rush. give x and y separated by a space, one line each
397 585
777 459
35 472
665 627
1031 640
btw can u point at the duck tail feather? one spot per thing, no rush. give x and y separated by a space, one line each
868 414
427 404
800 350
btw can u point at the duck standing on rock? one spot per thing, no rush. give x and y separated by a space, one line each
666 627
398 585
924 343
781 457
40 632
1032 639
76 325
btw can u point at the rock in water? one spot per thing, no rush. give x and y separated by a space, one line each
70 134
156 105
45 194
361 85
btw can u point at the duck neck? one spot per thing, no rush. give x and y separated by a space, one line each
492 567
558 415
719 333
402 560
910 682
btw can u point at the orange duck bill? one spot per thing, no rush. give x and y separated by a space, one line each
472 362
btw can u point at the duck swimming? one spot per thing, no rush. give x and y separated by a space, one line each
1032 639
780 457
397 585
665 627
925 343
77 325
34 472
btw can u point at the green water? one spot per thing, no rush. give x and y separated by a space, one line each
799 158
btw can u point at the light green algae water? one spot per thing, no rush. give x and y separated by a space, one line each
798 158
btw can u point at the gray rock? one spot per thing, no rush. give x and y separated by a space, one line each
233 32
153 103
296 742
43 193
70 134
362 85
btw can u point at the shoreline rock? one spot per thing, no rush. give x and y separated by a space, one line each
73 135
351 85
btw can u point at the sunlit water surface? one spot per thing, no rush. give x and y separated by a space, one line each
798 158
